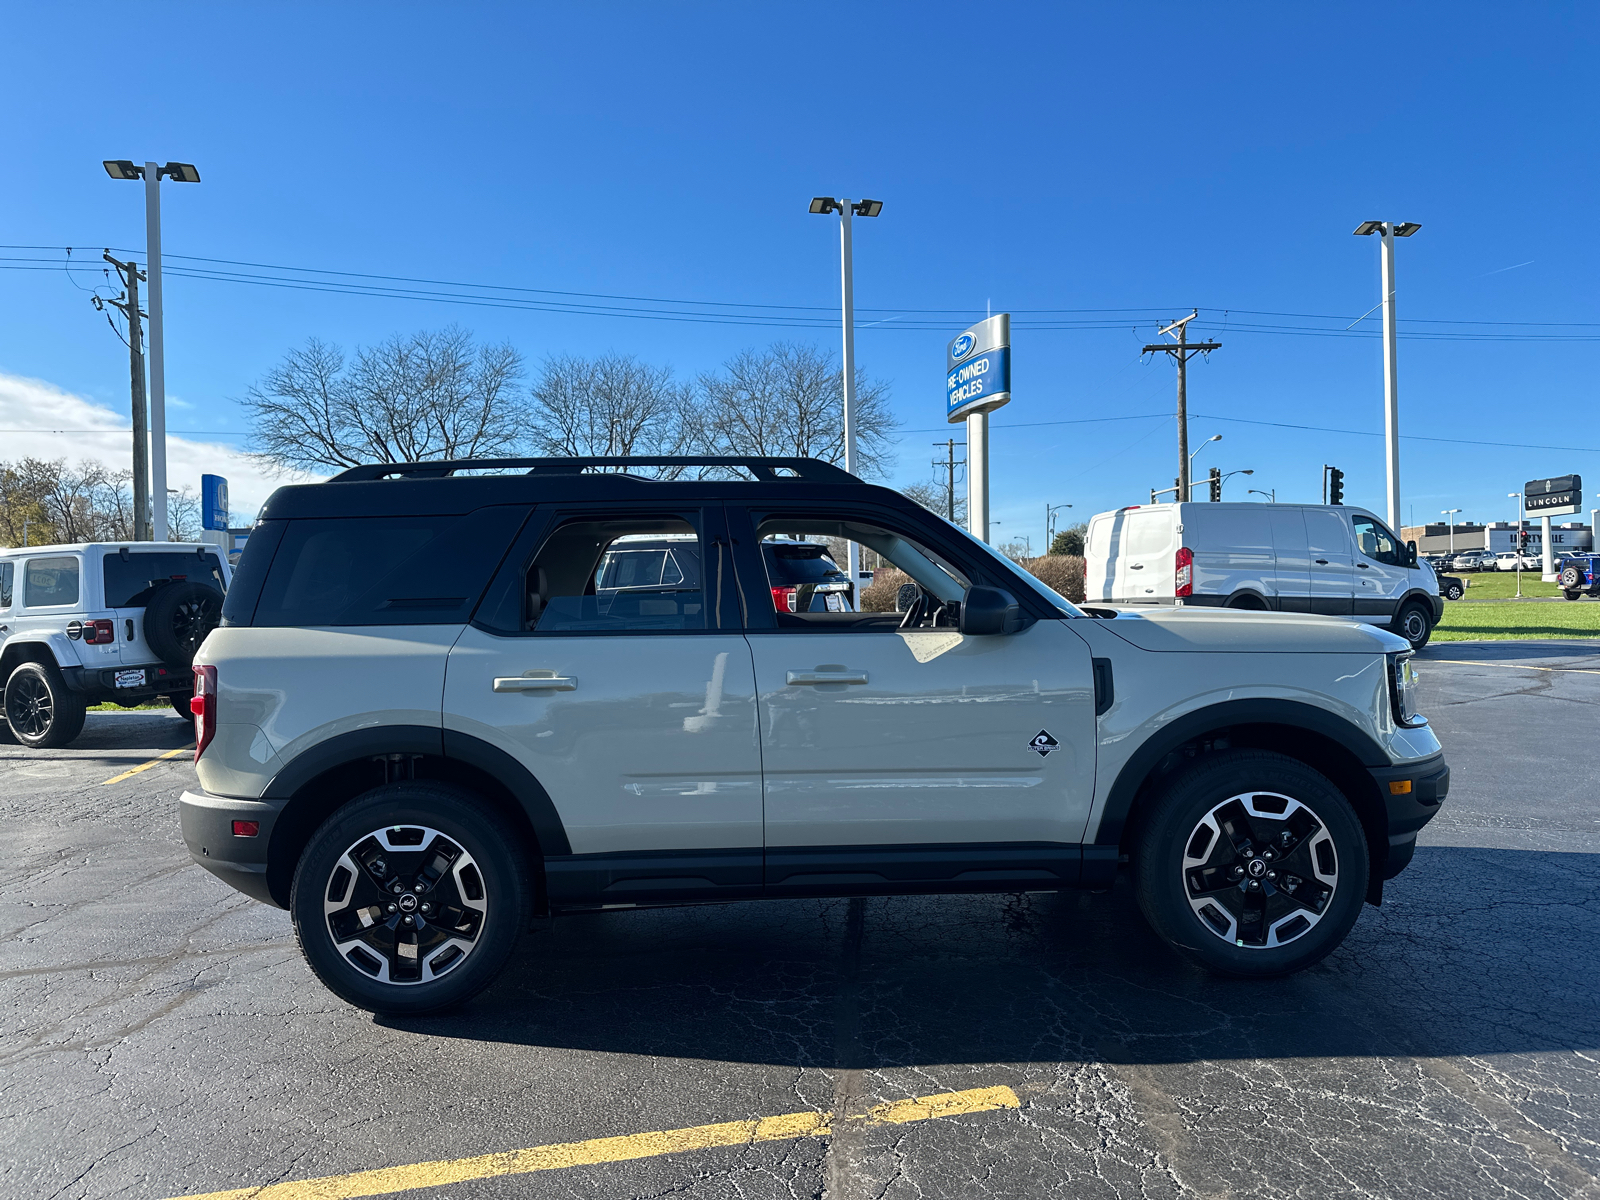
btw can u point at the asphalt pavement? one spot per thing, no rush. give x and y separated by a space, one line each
161 1037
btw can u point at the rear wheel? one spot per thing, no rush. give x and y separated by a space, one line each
1252 864
1453 590
1570 579
410 899
1248 602
40 709
1413 625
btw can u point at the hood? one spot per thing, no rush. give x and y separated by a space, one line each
1237 631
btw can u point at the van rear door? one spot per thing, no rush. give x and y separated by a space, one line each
1145 562
1293 566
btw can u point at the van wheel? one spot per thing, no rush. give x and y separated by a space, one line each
1248 602
410 899
1413 625
1252 864
41 710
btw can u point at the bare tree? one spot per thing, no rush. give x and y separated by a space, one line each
49 502
788 401
611 405
433 395
935 497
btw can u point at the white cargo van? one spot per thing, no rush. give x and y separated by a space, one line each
1307 558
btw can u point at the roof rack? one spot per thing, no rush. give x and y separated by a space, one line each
767 470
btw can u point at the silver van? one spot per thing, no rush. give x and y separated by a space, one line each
1305 558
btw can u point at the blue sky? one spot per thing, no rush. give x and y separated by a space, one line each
1147 158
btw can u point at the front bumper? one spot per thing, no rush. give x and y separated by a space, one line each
207 824
1412 796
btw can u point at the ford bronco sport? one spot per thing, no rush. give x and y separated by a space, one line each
419 745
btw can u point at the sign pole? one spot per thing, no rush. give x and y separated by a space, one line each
978 475
978 381
1547 551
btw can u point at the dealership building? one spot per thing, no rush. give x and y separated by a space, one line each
1498 537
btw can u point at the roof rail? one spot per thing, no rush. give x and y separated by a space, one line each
768 470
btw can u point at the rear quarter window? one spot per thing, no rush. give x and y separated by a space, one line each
419 570
50 581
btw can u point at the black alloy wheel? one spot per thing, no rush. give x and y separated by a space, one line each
178 618
41 710
1413 625
1252 864
410 899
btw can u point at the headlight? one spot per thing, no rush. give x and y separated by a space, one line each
1403 692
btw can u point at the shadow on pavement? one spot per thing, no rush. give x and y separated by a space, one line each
1476 952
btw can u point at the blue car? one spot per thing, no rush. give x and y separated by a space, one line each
1579 575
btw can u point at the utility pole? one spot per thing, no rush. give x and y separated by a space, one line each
128 306
949 463
1182 352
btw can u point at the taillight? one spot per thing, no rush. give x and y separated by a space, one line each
204 707
784 599
1183 572
99 633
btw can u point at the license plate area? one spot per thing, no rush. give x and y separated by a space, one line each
130 679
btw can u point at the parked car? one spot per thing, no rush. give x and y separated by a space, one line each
806 578
1308 558
1579 575
97 622
1472 560
1510 560
416 731
1451 587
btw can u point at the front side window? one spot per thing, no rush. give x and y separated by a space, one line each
50 581
617 574
1376 542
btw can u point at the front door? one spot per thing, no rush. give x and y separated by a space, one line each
607 662
898 752
1330 568
1381 571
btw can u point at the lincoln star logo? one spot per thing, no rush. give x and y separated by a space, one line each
1043 743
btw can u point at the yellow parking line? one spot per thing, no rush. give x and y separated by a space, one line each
614 1149
154 762
1462 662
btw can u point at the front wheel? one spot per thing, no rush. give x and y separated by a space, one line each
1413 625
1252 864
41 710
1570 594
1454 591
410 899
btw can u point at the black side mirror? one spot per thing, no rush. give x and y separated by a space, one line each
1411 553
986 611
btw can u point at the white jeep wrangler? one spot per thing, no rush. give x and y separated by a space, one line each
437 707
101 621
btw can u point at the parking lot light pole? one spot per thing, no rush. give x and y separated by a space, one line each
1050 524
152 174
822 205
1215 437
1391 378
1451 512
1517 541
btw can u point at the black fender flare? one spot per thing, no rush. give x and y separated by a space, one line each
1434 604
1213 719
435 742
1268 603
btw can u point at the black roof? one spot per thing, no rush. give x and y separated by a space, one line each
413 489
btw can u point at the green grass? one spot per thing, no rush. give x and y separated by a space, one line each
1502 585
108 707
1511 619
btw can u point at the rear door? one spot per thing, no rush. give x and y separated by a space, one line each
1330 569
1292 569
1145 562
129 578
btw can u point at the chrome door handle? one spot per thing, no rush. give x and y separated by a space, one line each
544 681
797 677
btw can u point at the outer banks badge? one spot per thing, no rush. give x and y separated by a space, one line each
1043 743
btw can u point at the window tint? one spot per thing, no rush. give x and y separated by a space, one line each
131 581
427 570
616 575
7 573
1376 542
51 581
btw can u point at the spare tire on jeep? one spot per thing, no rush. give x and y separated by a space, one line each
177 619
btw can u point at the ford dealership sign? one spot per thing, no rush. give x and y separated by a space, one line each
978 369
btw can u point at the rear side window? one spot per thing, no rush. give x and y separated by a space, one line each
7 573
427 570
50 581
131 581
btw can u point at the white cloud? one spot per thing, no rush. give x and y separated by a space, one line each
34 414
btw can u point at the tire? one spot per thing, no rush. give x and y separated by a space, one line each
1413 625
1454 591
1247 603
1571 594
1260 797
1570 577
178 618
366 848
41 710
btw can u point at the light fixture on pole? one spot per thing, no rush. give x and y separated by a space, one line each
1231 474
153 174
1272 496
1215 437
1050 524
1391 379
1451 512
822 206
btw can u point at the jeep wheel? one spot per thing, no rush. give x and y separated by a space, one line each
40 709
178 618
1570 577
1252 864
410 899
1413 625
1571 594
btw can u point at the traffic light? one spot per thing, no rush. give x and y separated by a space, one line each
1216 485
1335 486
1522 540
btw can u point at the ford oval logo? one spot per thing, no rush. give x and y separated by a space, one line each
962 346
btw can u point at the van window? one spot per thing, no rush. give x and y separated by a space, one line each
1148 533
51 581
1099 537
1376 542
